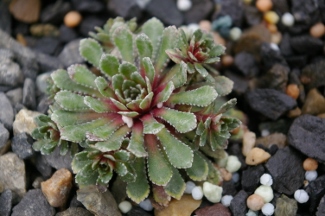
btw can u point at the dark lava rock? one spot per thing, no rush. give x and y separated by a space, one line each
240 83
229 188
22 145
307 134
5 21
67 34
6 112
137 211
238 204
312 76
43 166
233 8
6 201
271 103
29 99
251 177
280 6
74 211
54 13
58 161
166 11
252 15
33 203
286 169
47 45
200 10
306 44
88 23
70 54
90 6
315 190
214 210
74 202
4 136
246 63
44 104
275 78
10 72
285 47
321 207
270 57
125 8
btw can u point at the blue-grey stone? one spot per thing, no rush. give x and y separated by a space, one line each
22 145
6 112
29 97
6 201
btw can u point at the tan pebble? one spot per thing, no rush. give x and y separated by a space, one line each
293 91
257 156
276 37
249 139
317 30
267 141
255 202
310 164
314 103
205 25
272 28
72 19
57 188
25 121
227 60
322 115
271 17
264 5
294 113
218 39
183 207
226 176
20 38
27 11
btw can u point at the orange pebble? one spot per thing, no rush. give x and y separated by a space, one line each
205 25
310 164
227 60
255 202
264 5
317 30
226 176
293 91
72 19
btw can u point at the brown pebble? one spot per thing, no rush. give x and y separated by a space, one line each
271 17
205 25
215 210
218 39
257 156
276 37
322 115
310 164
293 91
27 11
272 28
264 5
255 202
314 103
57 188
317 30
294 113
227 60
20 38
226 176
72 19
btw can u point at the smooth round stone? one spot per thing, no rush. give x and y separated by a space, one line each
226 200
264 5
293 91
317 30
301 196
265 192
311 175
227 60
125 206
146 205
235 33
235 177
287 19
212 192
72 19
184 5
249 139
271 17
255 202
205 25
233 164
266 179
251 213
192 27
268 209
274 47
189 187
197 193
310 164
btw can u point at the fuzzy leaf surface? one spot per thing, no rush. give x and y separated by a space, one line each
115 140
81 75
199 169
91 51
109 65
151 125
144 46
176 186
153 28
70 101
123 39
136 144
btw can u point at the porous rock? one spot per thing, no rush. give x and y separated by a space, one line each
238 204
73 211
6 112
22 145
251 177
315 190
214 210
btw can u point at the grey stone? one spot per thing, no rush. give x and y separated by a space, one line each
307 134
6 112
200 10
4 136
275 78
67 34
270 57
33 203
232 8
89 22
251 177
229 188
246 63
70 54
44 104
13 174
74 202
5 21
43 166
41 82
166 11
58 161
6 201
29 97
10 73
22 145
125 8
312 75
321 207
252 15
73 211
98 203
137 211
15 96
90 6
238 204
54 13
286 169
315 190
306 44
271 103
48 45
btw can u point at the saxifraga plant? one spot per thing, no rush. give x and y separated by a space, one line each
152 121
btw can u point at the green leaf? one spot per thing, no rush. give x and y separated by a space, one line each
159 169
123 39
201 97
119 105
146 102
42 120
127 69
49 147
109 65
217 50
139 189
37 145
222 84
136 144
103 87
176 186
175 55
79 161
179 154
164 94
151 126
199 169
115 139
64 118
87 176
148 68
144 46
97 105
153 28
228 105
137 78
182 121
117 81
105 176
177 74
81 75
70 101
64 147
91 51
201 69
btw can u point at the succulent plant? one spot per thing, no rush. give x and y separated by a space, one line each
139 115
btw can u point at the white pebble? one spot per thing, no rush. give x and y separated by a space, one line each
274 47
265 132
226 200
189 187
266 179
235 177
146 205
184 5
193 27
301 196
265 192
125 206
268 209
128 121
212 192
311 175
233 164
287 19
197 193
235 33
251 213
